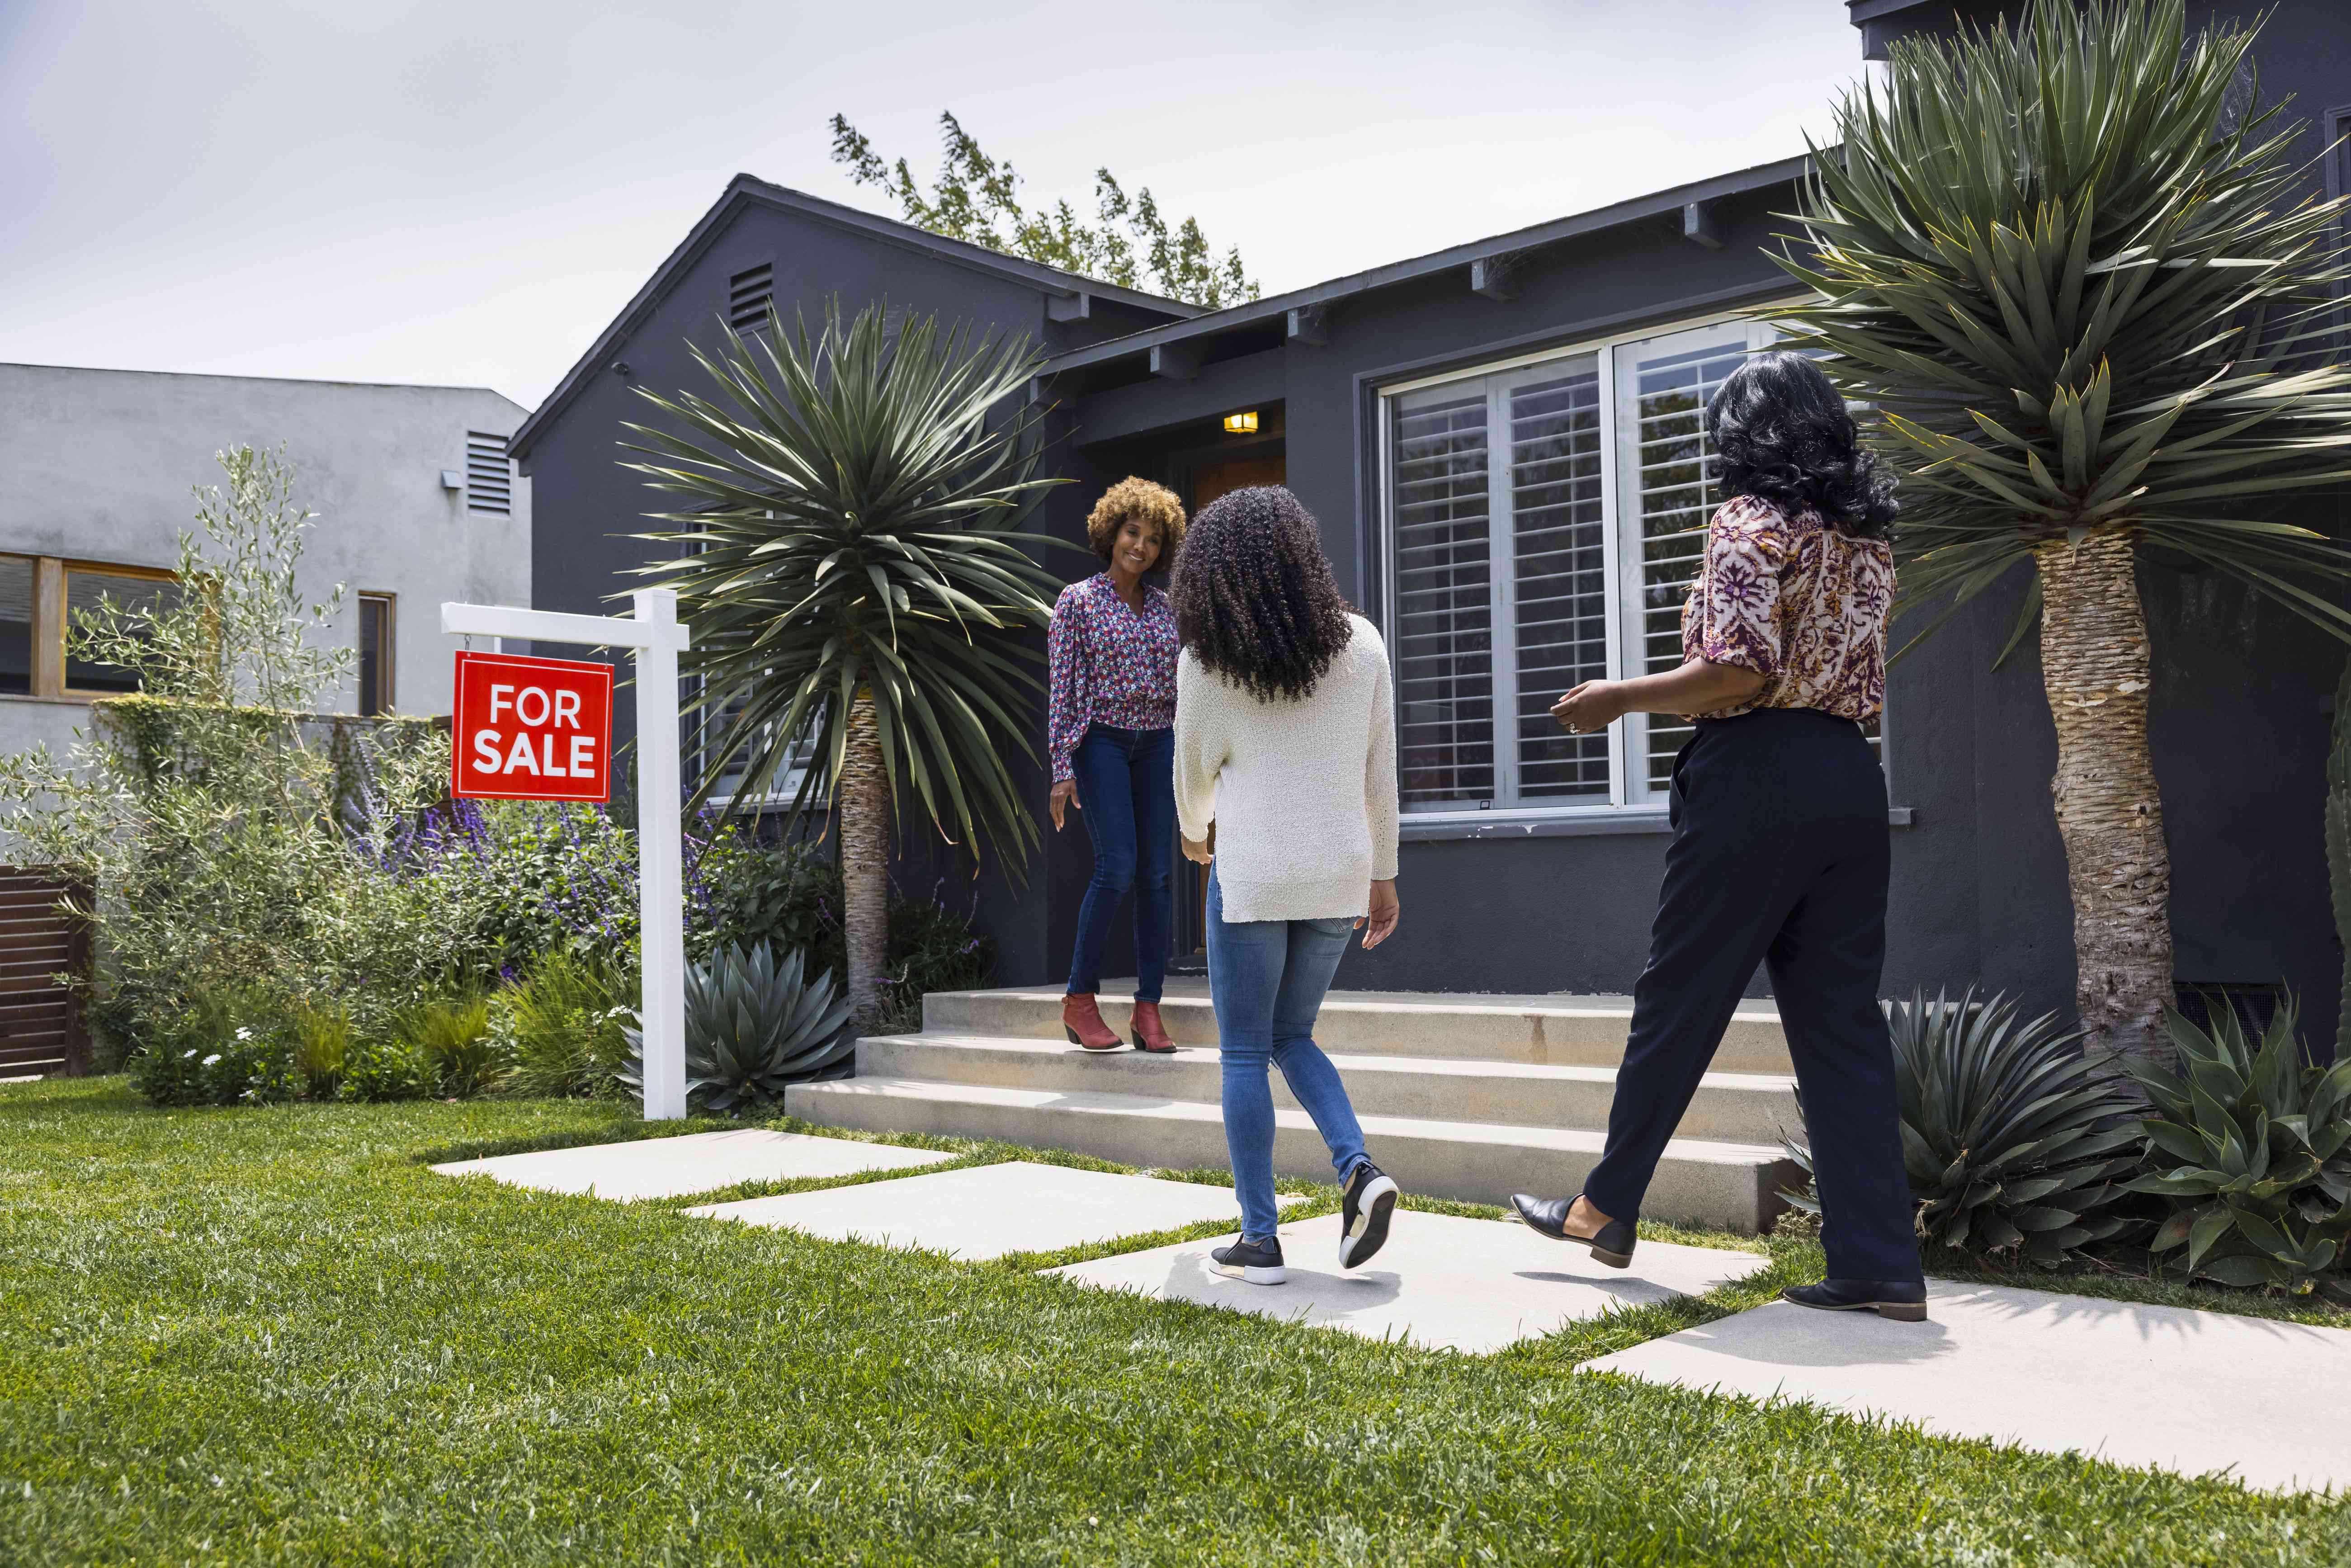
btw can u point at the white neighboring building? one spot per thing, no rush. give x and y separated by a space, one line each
416 503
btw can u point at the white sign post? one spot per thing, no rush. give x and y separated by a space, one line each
656 637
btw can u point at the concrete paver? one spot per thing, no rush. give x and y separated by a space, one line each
986 1211
1474 1285
697 1161
2189 1391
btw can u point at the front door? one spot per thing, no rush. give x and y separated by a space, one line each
1211 480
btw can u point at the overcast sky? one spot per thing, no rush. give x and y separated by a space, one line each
439 192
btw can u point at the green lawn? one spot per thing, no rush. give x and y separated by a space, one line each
272 1336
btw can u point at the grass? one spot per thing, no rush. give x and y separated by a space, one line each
274 1336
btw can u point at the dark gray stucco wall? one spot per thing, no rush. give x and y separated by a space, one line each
2239 700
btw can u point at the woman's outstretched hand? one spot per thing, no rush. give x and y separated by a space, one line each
1590 707
1387 910
1065 794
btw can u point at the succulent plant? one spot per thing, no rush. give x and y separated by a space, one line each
753 1027
2253 1147
2013 1138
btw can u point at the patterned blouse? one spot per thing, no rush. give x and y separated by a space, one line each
1798 603
1110 665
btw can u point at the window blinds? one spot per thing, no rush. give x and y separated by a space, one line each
1444 601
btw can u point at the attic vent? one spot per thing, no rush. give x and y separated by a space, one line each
748 294
489 482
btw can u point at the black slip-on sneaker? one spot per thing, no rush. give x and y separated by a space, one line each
1904 1301
1258 1262
1370 1200
1613 1245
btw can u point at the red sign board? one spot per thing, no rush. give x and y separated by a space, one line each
531 730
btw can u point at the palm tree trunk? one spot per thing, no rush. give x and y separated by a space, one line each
865 861
2093 665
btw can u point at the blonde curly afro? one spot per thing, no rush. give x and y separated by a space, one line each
1137 501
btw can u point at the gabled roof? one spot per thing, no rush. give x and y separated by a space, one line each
743 191
1261 312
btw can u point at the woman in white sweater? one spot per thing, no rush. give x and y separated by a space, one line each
1285 786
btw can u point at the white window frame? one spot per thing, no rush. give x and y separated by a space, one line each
1629 790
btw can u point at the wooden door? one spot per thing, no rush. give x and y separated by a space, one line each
1214 479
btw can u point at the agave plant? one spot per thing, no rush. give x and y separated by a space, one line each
2093 298
850 555
2010 1132
754 1026
2252 1146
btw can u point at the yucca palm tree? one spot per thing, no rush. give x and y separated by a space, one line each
2086 286
852 564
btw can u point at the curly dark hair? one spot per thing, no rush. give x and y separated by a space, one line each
1133 500
1254 597
1786 437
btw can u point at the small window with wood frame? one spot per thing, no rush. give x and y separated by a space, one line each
376 623
89 588
41 597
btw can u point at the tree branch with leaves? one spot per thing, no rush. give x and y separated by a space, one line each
977 199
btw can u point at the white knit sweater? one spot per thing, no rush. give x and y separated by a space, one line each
1303 793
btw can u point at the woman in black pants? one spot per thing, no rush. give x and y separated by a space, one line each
1780 849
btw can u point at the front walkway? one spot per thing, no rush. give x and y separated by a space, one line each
2195 1392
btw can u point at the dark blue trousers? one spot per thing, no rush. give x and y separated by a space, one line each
1126 799
1779 857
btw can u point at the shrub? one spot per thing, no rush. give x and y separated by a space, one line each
322 1049
786 895
2252 1147
559 1027
932 948
380 1065
2010 1133
451 1036
247 1066
753 1027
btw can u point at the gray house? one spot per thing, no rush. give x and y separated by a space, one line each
1493 437
416 500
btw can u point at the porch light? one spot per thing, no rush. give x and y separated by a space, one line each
1241 424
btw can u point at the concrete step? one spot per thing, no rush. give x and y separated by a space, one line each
1722 1186
1548 1030
1742 1108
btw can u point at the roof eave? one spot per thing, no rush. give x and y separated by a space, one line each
746 189
1575 225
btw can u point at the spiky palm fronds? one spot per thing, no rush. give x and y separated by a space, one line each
853 506
2086 288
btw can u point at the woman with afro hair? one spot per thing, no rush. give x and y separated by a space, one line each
1286 788
1112 652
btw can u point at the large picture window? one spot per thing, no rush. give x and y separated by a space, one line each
1544 520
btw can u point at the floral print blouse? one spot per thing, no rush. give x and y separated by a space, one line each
1110 665
1798 603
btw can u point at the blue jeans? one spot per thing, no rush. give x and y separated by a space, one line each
1266 979
1126 799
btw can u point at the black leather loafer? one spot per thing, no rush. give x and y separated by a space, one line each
1903 1301
1613 1245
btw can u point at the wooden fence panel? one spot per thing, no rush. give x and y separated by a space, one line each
41 1025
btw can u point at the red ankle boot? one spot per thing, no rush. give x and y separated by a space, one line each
1150 1033
1081 1020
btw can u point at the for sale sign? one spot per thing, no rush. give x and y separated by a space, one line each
531 730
